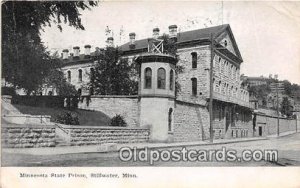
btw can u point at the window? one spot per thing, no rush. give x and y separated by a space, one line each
69 76
170 119
92 74
220 86
194 86
148 78
194 60
161 78
80 75
171 79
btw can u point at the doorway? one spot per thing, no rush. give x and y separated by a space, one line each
260 130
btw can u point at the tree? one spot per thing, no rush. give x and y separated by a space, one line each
114 75
25 60
261 92
286 107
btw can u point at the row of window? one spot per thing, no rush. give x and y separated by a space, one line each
69 76
161 79
225 67
225 89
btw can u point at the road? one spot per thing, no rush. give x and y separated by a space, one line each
288 148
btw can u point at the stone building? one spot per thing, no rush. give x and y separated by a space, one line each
183 115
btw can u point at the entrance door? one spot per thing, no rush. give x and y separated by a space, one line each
227 123
260 131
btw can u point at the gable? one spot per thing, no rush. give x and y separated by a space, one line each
226 39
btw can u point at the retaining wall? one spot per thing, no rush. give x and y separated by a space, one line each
79 135
127 106
27 136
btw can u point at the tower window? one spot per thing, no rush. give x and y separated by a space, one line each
69 76
80 75
171 79
194 86
161 78
194 59
148 78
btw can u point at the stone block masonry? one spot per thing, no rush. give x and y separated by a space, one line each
267 125
27 136
126 106
101 135
191 122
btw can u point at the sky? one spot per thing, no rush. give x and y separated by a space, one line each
267 33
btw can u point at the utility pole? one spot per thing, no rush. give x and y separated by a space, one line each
211 131
276 76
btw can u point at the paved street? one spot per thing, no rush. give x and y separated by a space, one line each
288 155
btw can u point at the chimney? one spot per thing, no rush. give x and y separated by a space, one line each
110 42
132 38
65 54
173 31
156 32
76 51
87 50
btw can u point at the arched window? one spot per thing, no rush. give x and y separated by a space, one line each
69 76
80 75
194 59
148 78
194 86
220 86
170 119
171 79
161 78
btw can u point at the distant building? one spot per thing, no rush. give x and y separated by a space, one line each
257 81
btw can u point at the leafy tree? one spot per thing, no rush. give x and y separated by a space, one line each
286 107
114 75
261 92
25 60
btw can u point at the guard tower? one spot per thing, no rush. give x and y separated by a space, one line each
157 90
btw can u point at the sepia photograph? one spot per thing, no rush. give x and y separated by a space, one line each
149 84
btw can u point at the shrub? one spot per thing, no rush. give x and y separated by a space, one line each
118 121
67 118
8 91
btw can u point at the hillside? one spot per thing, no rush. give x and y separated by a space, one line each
90 118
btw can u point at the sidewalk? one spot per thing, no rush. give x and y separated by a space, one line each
116 147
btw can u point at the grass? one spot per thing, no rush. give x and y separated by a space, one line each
86 117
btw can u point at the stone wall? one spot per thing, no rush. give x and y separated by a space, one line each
27 136
269 125
127 106
80 135
191 122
